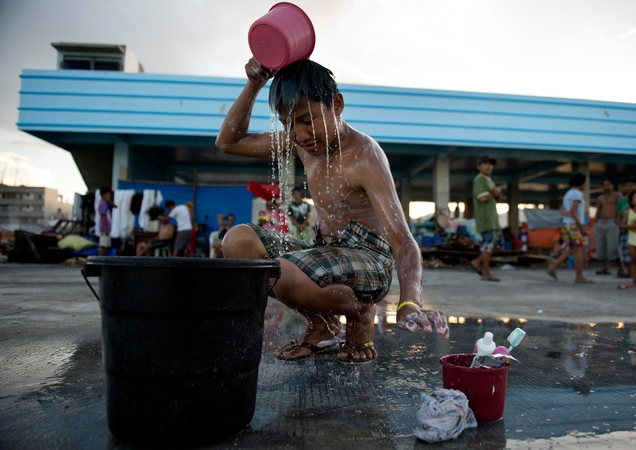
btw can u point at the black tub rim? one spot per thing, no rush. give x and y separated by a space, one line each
176 262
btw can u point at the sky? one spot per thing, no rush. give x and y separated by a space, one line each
583 49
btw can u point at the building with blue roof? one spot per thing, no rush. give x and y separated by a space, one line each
123 125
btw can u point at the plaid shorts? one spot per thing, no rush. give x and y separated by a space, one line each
490 240
572 236
623 248
358 258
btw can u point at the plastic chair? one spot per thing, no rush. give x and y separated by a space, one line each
163 251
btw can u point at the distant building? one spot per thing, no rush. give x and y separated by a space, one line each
30 206
108 57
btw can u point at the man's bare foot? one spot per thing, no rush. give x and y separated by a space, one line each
583 281
359 348
319 329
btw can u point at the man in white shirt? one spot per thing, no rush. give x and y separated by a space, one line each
181 214
573 232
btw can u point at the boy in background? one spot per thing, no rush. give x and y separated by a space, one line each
573 232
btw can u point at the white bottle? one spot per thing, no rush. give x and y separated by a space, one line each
485 347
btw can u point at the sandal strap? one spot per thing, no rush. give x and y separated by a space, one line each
351 347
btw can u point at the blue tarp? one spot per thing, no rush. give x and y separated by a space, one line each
210 201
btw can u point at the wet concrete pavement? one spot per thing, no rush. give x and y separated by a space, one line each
575 385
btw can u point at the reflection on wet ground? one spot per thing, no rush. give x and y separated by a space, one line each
575 387
573 381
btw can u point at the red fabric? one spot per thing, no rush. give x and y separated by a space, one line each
544 237
264 191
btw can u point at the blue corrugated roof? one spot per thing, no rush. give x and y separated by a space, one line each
112 103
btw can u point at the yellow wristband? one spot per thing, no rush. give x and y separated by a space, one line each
407 303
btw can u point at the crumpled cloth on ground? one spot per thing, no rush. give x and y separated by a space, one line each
444 415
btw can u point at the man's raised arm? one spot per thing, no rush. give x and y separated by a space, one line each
233 137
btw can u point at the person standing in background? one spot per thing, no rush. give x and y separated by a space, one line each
629 222
184 226
606 226
573 232
485 198
625 258
298 212
190 251
104 221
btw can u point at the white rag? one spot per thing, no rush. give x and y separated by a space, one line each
151 198
444 415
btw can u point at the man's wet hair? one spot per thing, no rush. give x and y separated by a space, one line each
629 180
606 178
170 203
578 179
104 190
302 78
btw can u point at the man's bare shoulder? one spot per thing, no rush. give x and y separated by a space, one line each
364 149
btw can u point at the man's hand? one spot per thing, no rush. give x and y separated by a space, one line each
258 74
495 192
412 318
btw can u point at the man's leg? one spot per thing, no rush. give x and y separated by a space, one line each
562 257
579 256
297 291
485 264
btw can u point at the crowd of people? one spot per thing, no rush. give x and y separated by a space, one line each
614 229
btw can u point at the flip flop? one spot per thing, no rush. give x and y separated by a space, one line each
584 282
313 349
350 348
625 286
490 278
475 269
552 274
602 272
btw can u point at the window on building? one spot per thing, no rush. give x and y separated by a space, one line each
94 63
76 64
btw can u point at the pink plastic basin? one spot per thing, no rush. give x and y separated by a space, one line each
282 36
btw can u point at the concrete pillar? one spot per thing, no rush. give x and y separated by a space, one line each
405 196
121 163
553 201
441 184
469 207
513 207
585 169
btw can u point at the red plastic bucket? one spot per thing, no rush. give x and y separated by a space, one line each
282 36
484 388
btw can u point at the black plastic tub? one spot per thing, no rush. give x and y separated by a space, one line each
182 341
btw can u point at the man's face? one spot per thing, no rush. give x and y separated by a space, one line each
486 168
107 196
297 196
313 125
608 186
629 187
